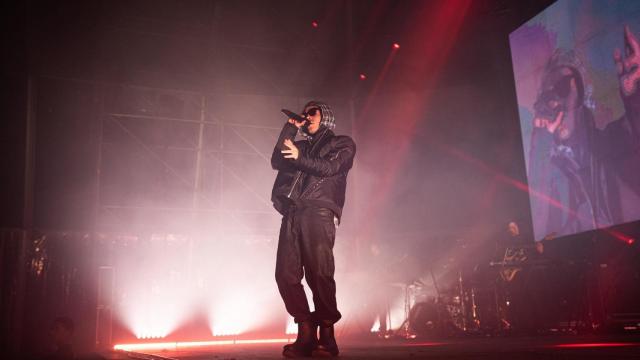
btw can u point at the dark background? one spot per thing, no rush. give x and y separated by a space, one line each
82 60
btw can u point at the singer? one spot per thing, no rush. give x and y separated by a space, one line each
309 192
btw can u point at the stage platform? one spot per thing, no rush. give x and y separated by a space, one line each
547 347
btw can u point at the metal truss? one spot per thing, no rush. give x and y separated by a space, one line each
148 107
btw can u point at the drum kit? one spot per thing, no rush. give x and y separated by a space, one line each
483 300
471 305
488 299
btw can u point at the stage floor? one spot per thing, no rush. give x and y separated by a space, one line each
548 347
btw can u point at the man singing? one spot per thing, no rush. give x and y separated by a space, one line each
309 191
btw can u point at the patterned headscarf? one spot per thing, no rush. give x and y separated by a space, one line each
328 120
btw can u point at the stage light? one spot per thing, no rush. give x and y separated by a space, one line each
153 298
621 236
175 346
363 77
156 321
396 46
315 24
234 315
376 325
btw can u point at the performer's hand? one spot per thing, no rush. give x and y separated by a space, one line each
628 69
293 152
297 124
550 125
628 64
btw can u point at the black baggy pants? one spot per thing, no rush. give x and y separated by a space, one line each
305 248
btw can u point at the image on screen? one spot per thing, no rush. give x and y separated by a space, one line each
577 77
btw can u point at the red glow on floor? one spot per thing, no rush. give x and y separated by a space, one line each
592 345
425 344
174 346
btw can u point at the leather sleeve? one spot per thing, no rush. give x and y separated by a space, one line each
278 162
339 159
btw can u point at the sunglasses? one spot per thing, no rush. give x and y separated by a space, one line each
310 112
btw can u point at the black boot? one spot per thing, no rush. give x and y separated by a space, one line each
306 341
327 346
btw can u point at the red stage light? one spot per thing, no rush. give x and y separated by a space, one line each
630 241
592 345
315 24
363 77
396 46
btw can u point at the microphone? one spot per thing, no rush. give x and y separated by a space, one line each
293 115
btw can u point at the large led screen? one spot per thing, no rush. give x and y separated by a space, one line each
577 72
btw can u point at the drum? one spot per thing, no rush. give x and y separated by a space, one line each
425 319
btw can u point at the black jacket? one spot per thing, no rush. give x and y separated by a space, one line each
319 175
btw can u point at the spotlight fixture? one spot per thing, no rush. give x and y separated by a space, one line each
315 24
396 46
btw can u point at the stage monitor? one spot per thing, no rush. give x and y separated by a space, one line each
577 77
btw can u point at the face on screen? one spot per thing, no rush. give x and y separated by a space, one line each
579 102
560 94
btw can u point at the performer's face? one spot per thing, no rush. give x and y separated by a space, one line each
314 120
513 229
558 93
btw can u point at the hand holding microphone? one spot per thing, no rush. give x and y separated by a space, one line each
295 119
